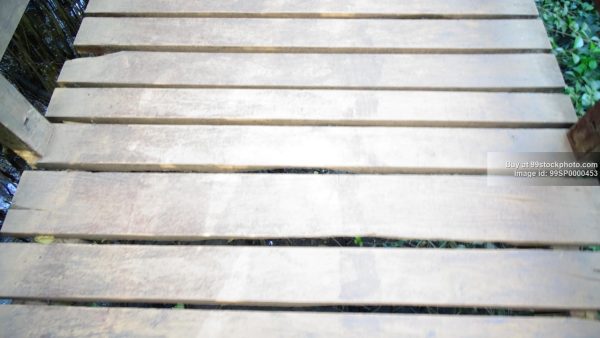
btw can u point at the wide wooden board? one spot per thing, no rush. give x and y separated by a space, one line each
316 8
310 107
60 321
491 72
294 276
146 206
311 35
108 147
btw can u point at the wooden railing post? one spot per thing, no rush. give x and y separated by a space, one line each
22 128
11 12
585 135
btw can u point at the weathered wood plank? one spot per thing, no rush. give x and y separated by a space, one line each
512 72
311 35
310 107
316 8
301 275
22 128
10 14
234 148
62 321
207 206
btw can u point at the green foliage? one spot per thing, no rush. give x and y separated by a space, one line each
574 28
358 241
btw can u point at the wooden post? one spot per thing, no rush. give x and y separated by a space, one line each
22 127
585 135
11 12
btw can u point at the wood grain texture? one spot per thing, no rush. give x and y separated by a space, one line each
311 35
310 107
294 276
224 206
58 321
512 72
22 128
234 148
316 8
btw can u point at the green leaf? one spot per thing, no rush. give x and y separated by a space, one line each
575 58
586 100
578 42
580 70
358 241
587 7
593 64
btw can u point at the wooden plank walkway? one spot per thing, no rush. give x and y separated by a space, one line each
181 100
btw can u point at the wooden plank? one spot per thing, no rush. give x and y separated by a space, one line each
310 107
234 148
512 72
22 128
295 276
63 321
315 8
311 35
224 206
10 15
